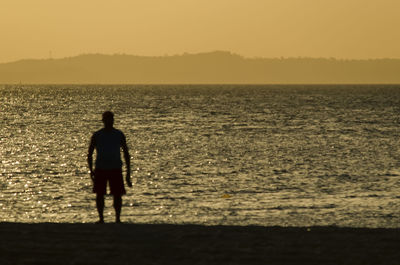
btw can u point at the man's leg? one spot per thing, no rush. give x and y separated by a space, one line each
100 206
117 207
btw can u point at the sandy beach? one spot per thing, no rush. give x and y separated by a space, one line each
53 243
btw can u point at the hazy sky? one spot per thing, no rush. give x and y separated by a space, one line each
264 28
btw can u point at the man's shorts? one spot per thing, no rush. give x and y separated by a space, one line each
113 177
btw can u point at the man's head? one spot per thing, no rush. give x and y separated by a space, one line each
108 119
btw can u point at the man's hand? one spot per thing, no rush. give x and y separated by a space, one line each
92 175
128 180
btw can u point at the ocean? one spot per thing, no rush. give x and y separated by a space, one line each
268 155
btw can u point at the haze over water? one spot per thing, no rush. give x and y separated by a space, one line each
242 155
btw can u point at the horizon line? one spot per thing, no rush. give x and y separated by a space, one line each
202 53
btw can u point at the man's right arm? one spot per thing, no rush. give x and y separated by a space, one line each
127 160
90 157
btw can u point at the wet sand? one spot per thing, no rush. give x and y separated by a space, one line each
50 243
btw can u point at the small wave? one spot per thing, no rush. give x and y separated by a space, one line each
303 207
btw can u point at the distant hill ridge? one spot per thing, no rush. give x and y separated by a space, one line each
217 67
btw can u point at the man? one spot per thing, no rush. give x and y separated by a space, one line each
108 165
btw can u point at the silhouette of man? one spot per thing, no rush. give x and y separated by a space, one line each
108 142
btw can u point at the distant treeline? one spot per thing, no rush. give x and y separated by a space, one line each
209 68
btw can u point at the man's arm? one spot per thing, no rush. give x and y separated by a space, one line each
90 157
127 161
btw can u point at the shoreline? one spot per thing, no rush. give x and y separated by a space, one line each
85 243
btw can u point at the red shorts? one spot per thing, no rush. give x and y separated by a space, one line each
113 177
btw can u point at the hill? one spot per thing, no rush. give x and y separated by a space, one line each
208 68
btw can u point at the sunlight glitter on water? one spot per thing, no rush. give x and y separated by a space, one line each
265 155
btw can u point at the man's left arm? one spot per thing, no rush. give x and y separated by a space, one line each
90 157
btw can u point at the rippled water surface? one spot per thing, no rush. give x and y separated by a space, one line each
262 155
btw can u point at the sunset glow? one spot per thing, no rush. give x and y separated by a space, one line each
356 29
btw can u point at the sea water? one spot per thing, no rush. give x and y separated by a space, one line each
207 154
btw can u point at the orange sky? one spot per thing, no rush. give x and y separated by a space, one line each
264 28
